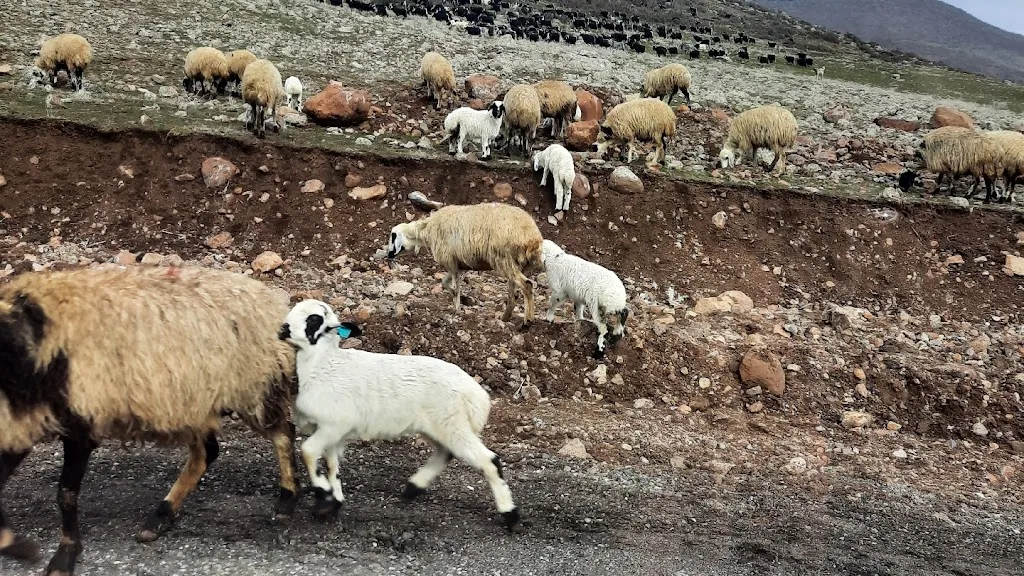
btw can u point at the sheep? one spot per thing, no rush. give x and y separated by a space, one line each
645 119
465 122
138 354
522 118
68 52
205 65
488 236
348 394
960 151
558 161
261 90
588 285
238 61
1011 159
763 127
819 72
293 88
437 74
558 101
666 81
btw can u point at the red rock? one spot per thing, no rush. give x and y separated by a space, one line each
218 171
682 110
887 168
337 106
836 114
763 368
946 116
267 262
580 136
591 107
581 186
352 180
897 124
483 87
720 115
477 104
503 190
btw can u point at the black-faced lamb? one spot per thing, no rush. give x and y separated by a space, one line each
348 394
488 236
557 161
771 127
134 354
71 53
666 81
439 78
644 119
262 91
466 123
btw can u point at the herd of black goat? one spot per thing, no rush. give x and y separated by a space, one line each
554 24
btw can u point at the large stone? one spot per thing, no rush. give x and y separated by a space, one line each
854 419
371 193
220 240
313 187
836 114
483 87
732 301
574 448
625 181
217 171
581 186
1014 265
3 181
338 106
399 288
580 136
898 124
761 367
503 190
5 69
591 107
946 116
267 262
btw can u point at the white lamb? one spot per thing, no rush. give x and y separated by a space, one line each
466 122
586 284
558 161
293 88
349 395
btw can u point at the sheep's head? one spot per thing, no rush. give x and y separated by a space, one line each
536 161
309 321
549 250
727 156
605 139
37 75
907 179
189 85
403 236
497 109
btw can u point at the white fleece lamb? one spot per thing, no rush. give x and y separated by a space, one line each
293 88
349 395
483 125
558 161
586 284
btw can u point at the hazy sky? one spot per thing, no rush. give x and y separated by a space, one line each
1006 14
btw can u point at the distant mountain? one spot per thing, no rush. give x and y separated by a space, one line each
930 29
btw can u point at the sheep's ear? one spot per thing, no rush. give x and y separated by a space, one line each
606 130
349 330
33 313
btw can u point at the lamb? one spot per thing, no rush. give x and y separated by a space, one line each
465 122
1011 160
588 285
293 89
437 74
763 127
261 90
522 118
488 236
558 101
819 72
68 52
347 394
238 61
960 151
558 161
205 65
645 119
138 354
666 81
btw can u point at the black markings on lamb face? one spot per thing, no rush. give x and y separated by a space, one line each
313 324
23 384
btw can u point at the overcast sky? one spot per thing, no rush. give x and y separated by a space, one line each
1006 14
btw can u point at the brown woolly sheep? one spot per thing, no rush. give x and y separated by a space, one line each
522 118
1011 160
205 65
763 127
138 355
238 60
437 74
262 91
645 119
666 81
68 52
956 151
557 101
489 236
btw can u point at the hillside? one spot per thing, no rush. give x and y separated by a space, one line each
927 28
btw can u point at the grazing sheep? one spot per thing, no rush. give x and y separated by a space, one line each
437 74
68 52
465 122
262 91
907 180
558 161
557 101
763 127
956 151
522 118
489 236
645 119
666 81
588 285
138 354
238 61
205 65
293 89
819 72
1011 160
347 394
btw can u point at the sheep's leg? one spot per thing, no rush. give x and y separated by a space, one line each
325 438
333 457
431 469
629 157
485 147
471 450
780 159
77 448
201 453
451 282
578 311
13 545
544 177
559 192
597 317
554 302
510 301
686 94
284 446
938 182
462 141
659 150
990 191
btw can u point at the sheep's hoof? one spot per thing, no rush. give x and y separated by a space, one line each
488 157
411 492
325 507
22 549
525 326
64 560
156 523
285 507
513 521
598 353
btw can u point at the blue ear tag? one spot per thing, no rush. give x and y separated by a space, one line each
344 332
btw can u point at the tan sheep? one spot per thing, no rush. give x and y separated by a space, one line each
205 66
522 118
557 101
666 81
1011 161
262 91
771 127
956 151
68 52
238 60
437 74
644 119
139 354
489 236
